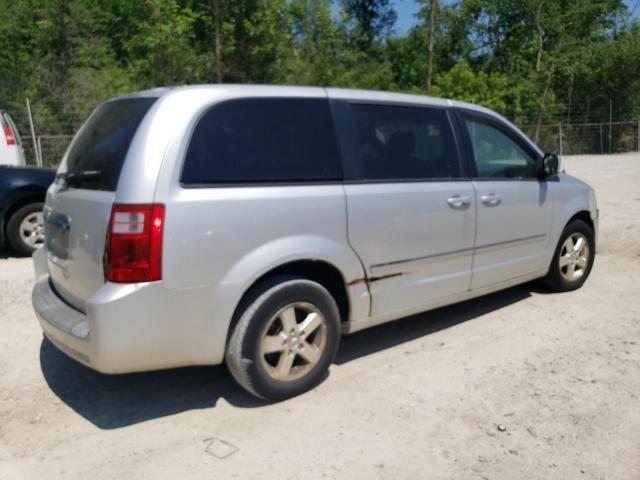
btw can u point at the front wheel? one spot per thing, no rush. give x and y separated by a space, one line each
573 258
286 338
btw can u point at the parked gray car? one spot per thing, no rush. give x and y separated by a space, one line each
254 225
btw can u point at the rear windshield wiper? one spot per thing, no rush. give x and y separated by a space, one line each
76 178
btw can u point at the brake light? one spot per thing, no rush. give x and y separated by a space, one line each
8 135
133 250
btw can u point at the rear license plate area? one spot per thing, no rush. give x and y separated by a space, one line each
56 231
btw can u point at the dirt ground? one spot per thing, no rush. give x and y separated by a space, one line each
421 398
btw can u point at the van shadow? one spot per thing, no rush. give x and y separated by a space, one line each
393 333
115 401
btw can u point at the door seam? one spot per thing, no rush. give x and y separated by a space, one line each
475 234
362 265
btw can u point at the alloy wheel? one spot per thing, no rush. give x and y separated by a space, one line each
293 341
574 257
32 229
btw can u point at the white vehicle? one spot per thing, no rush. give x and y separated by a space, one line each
11 152
254 225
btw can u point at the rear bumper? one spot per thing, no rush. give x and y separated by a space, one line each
131 327
66 327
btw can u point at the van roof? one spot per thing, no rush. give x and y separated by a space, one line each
341 93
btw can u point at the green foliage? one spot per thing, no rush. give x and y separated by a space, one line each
161 49
535 61
462 83
369 20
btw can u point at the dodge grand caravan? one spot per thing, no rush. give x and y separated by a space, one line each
254 225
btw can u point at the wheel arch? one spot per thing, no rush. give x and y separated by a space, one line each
320 271
583 215
352 300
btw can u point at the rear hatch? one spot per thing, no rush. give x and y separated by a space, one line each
79 203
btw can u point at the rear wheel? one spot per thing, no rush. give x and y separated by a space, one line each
285 340
573 258
25 229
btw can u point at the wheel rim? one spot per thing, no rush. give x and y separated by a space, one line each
32 230
293 341
574 257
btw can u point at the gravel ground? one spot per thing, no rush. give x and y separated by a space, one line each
519 384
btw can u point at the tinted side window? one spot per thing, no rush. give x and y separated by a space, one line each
102 144
404 143
497 155
263 140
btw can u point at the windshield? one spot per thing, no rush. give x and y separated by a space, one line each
97 154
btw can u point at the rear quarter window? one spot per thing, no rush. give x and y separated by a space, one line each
102 143
263 140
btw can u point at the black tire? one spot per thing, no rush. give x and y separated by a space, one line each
243 355
555 279
14 237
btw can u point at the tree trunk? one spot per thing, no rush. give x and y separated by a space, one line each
543 106
433 5
216 20
540 37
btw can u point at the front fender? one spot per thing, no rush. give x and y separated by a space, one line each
569 200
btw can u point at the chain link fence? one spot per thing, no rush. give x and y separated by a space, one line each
51 148
564 139
586 138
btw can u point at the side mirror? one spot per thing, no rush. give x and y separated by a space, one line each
548 165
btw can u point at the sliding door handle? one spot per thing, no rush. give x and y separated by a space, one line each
457 201
491 199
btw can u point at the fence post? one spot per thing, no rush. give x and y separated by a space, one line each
639 136
40 152
33 135
601 144
560 138
610 122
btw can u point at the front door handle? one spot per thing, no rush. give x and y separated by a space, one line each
457 201
491 199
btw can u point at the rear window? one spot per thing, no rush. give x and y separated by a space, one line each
263 140
97 154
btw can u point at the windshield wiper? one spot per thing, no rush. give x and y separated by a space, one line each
75 178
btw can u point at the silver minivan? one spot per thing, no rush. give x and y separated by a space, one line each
254 225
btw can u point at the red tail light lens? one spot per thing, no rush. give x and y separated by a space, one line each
133 251
8 134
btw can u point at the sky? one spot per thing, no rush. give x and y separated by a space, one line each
407 9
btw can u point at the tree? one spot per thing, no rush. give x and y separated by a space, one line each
316 43
162 50
371 20
462 83
433 6
535 61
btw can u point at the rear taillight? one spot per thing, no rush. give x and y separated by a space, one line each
133 251
8 135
